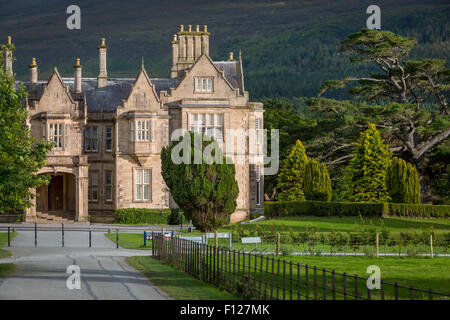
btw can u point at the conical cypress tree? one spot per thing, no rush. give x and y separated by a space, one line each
368 167
290 179
402 182
316 183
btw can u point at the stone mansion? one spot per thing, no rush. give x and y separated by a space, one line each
109 131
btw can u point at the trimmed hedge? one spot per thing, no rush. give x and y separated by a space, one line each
419 210
146 216
341 209
138 215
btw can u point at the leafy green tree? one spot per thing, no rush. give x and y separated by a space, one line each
21 156
290 178
316 183
368 167
402 182
406 87
203 185
280 114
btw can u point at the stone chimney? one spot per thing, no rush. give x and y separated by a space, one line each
175 52
191 44
8 58
77 78
102 78
33 72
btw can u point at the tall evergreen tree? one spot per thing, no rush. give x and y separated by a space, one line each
290 179
317 183
206 190
368 167
21 156
402 182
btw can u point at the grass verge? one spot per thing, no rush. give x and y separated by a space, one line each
130 240
175 283
6 268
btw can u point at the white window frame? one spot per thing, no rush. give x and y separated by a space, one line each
142 130
55 134
204 84
142 185
201 123
258 131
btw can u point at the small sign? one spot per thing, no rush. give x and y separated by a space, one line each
251 240
195 239
210 235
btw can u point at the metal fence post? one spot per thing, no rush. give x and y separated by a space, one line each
356 287
62 234
117 238
90 237
333 284
345 285
35 234
396 290
145 239
9 236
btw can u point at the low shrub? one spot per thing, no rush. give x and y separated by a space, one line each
142 216
341 209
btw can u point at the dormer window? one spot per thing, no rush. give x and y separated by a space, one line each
203 85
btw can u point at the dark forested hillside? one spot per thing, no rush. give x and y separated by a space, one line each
289 47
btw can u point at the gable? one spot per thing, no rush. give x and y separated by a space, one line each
143 95
55 96
204 67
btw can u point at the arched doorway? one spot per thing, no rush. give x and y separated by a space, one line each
56 202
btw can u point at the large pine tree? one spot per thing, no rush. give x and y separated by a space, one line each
290 179
21 156
368 167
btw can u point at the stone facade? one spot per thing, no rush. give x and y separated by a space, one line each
109 131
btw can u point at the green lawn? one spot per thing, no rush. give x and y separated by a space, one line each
4 242
343 224
421 273
130 240
176 284
6 268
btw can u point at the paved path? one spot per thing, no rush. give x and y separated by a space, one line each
104 274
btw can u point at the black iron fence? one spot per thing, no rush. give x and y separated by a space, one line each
62 230
251 275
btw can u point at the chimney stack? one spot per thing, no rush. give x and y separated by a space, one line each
102 78
175 50
187 46
77 79
230 56
8 58
33 72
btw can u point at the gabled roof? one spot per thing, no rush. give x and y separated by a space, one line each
106 98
